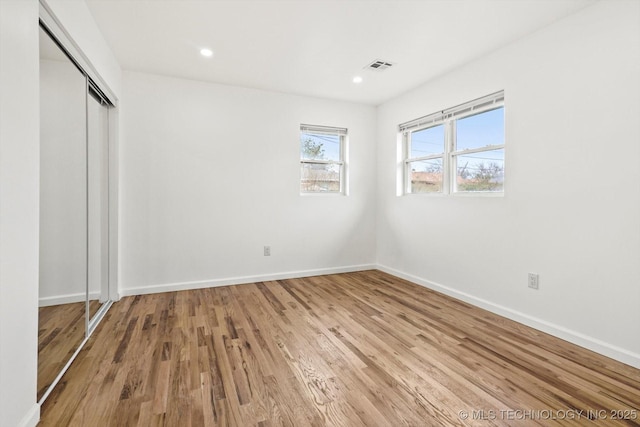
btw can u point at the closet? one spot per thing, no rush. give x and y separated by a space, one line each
76 194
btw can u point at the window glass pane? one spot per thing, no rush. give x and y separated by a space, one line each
426 142
426 176
319 146
480 130
483 171
319 178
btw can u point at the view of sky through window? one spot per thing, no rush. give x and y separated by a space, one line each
480 130
426 142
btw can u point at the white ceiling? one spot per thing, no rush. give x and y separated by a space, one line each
316 47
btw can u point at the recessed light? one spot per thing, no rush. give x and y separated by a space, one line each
357 79
206 52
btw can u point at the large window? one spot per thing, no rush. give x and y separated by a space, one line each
322 159
458 150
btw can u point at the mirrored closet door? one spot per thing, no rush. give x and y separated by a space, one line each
74 210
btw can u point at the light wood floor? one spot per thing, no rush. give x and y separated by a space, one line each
356 349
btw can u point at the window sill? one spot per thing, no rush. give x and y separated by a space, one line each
325 194
460 194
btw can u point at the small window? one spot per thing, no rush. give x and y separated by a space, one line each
458 150
322 154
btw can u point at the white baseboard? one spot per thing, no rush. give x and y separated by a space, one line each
181 286
594 344
66 299
32 417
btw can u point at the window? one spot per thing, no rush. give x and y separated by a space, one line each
322 164
458 150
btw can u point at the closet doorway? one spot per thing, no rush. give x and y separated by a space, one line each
75 247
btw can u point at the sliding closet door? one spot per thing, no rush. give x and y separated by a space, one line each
63 211
98 178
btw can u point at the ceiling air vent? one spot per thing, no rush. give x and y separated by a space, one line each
378 65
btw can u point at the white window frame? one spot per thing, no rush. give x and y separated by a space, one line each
408 160
448 119
341 163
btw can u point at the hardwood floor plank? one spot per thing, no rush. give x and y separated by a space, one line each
355 349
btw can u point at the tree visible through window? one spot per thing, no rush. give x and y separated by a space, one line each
322 166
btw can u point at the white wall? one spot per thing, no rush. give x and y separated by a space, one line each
571 210
210 175
19 193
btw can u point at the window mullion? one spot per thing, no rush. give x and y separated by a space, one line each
478 150
449 135
430 157
322 162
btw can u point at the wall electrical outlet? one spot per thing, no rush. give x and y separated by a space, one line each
267 251
533 281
